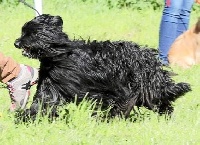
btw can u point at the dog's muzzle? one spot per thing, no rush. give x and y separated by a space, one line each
17 43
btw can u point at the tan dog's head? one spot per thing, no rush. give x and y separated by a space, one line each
185 51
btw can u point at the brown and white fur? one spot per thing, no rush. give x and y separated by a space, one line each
185 51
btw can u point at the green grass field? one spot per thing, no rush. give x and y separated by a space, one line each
94 21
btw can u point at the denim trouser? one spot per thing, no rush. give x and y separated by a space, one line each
175 20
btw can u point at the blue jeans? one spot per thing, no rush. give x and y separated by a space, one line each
175 20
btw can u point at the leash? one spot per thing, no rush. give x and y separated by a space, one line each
26 4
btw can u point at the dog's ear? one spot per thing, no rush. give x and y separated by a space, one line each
197 27
49 20
56 21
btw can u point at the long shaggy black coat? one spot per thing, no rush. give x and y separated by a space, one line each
119 74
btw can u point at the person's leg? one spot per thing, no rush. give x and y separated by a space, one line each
168 27
19 79
183 20
9 68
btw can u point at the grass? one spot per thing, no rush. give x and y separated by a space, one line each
93 21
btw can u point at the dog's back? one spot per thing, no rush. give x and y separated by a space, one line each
185 51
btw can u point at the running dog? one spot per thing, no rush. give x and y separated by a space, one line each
117 75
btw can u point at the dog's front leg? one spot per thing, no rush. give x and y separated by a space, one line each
130 105
38 109
28 114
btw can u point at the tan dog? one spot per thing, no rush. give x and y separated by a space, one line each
185 51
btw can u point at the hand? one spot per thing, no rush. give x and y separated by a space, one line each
197 1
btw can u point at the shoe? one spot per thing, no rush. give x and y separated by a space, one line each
19 87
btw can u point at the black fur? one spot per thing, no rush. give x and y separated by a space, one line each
119 74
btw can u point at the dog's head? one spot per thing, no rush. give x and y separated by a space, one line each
41 36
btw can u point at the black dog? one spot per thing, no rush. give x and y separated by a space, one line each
119 75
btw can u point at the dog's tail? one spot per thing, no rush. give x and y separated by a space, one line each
172 93
177 90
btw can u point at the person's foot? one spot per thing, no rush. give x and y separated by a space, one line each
19 87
